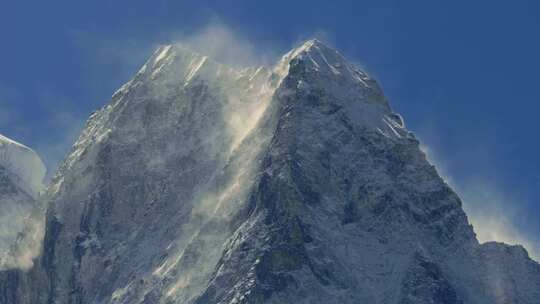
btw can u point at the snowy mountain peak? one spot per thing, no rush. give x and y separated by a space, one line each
203 183
315 46
319 72
308 46
178 59
329 67
24 164
179 65
321 58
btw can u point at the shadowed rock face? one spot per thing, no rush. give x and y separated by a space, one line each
200 183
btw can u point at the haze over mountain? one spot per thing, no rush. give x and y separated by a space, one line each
204 183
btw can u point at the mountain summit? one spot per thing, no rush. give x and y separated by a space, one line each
202 183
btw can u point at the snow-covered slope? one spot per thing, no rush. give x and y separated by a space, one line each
21 181
25 166
202 183
21 217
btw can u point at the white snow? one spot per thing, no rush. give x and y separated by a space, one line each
26 166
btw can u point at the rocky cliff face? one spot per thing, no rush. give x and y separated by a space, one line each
200 183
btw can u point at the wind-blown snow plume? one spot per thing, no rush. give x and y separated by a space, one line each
248 92
491 212
221 43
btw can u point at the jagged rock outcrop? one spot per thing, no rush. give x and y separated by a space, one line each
201 183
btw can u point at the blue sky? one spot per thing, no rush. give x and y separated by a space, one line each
463 74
